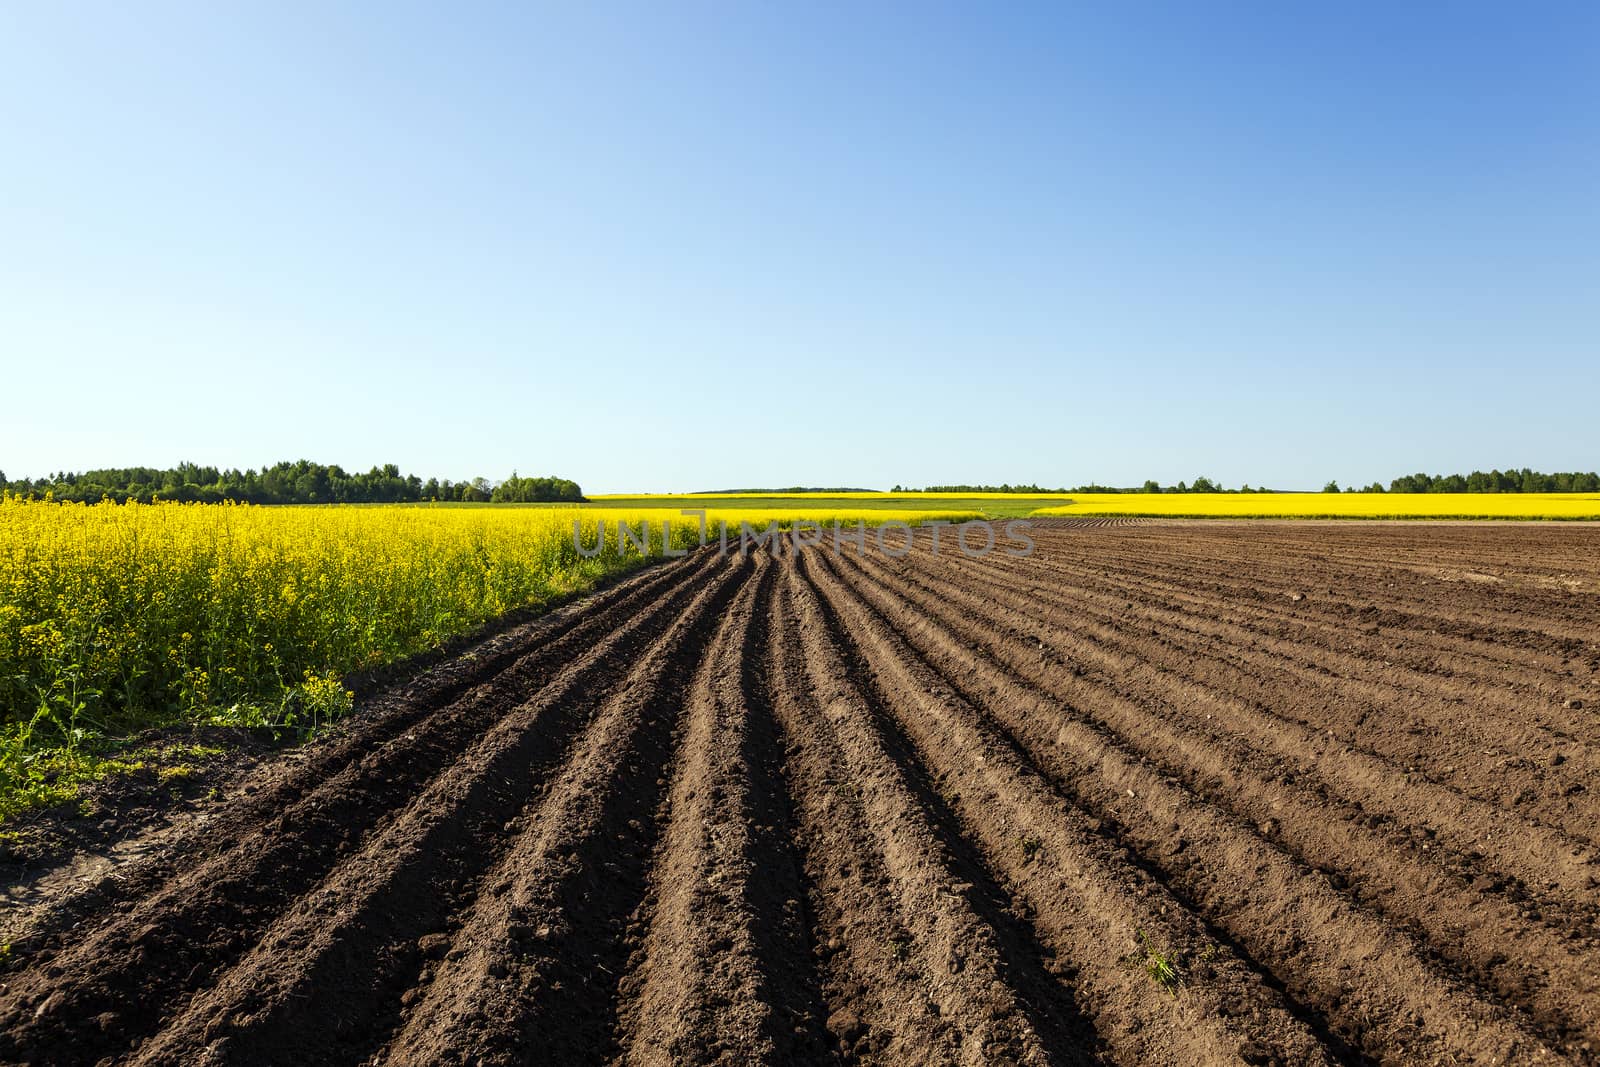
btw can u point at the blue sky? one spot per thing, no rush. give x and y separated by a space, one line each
691 246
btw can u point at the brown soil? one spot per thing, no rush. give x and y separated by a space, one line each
1162 793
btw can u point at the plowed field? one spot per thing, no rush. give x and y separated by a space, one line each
1158 794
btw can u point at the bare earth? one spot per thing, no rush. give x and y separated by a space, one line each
1339 780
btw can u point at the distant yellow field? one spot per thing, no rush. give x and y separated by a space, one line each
759 517
913 507
1333 505
619 498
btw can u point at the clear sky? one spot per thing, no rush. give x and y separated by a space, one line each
674 246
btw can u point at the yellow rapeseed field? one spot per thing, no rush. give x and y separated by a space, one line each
114 617
1334 505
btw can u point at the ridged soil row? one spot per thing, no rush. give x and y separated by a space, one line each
326 979
1268 565
430 714
1065 525
1563 548
724 972
1434 727
1511 951
1099 910
1138 775
1419 634
1412 551
541 939
1144 669
1363 616
131 971
1267 572
1361 630
913 974
1560 866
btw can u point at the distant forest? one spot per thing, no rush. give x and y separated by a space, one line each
1507 481
1496 481
301 482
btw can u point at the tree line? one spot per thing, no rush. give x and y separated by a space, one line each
300 482
1510 480
1506 481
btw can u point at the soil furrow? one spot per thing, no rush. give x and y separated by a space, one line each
1366 686
1542 962
916 975
1421 665
542 938
1267 579
1113 923
1332 955
1367 625
1094 665
1539 855
724 973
